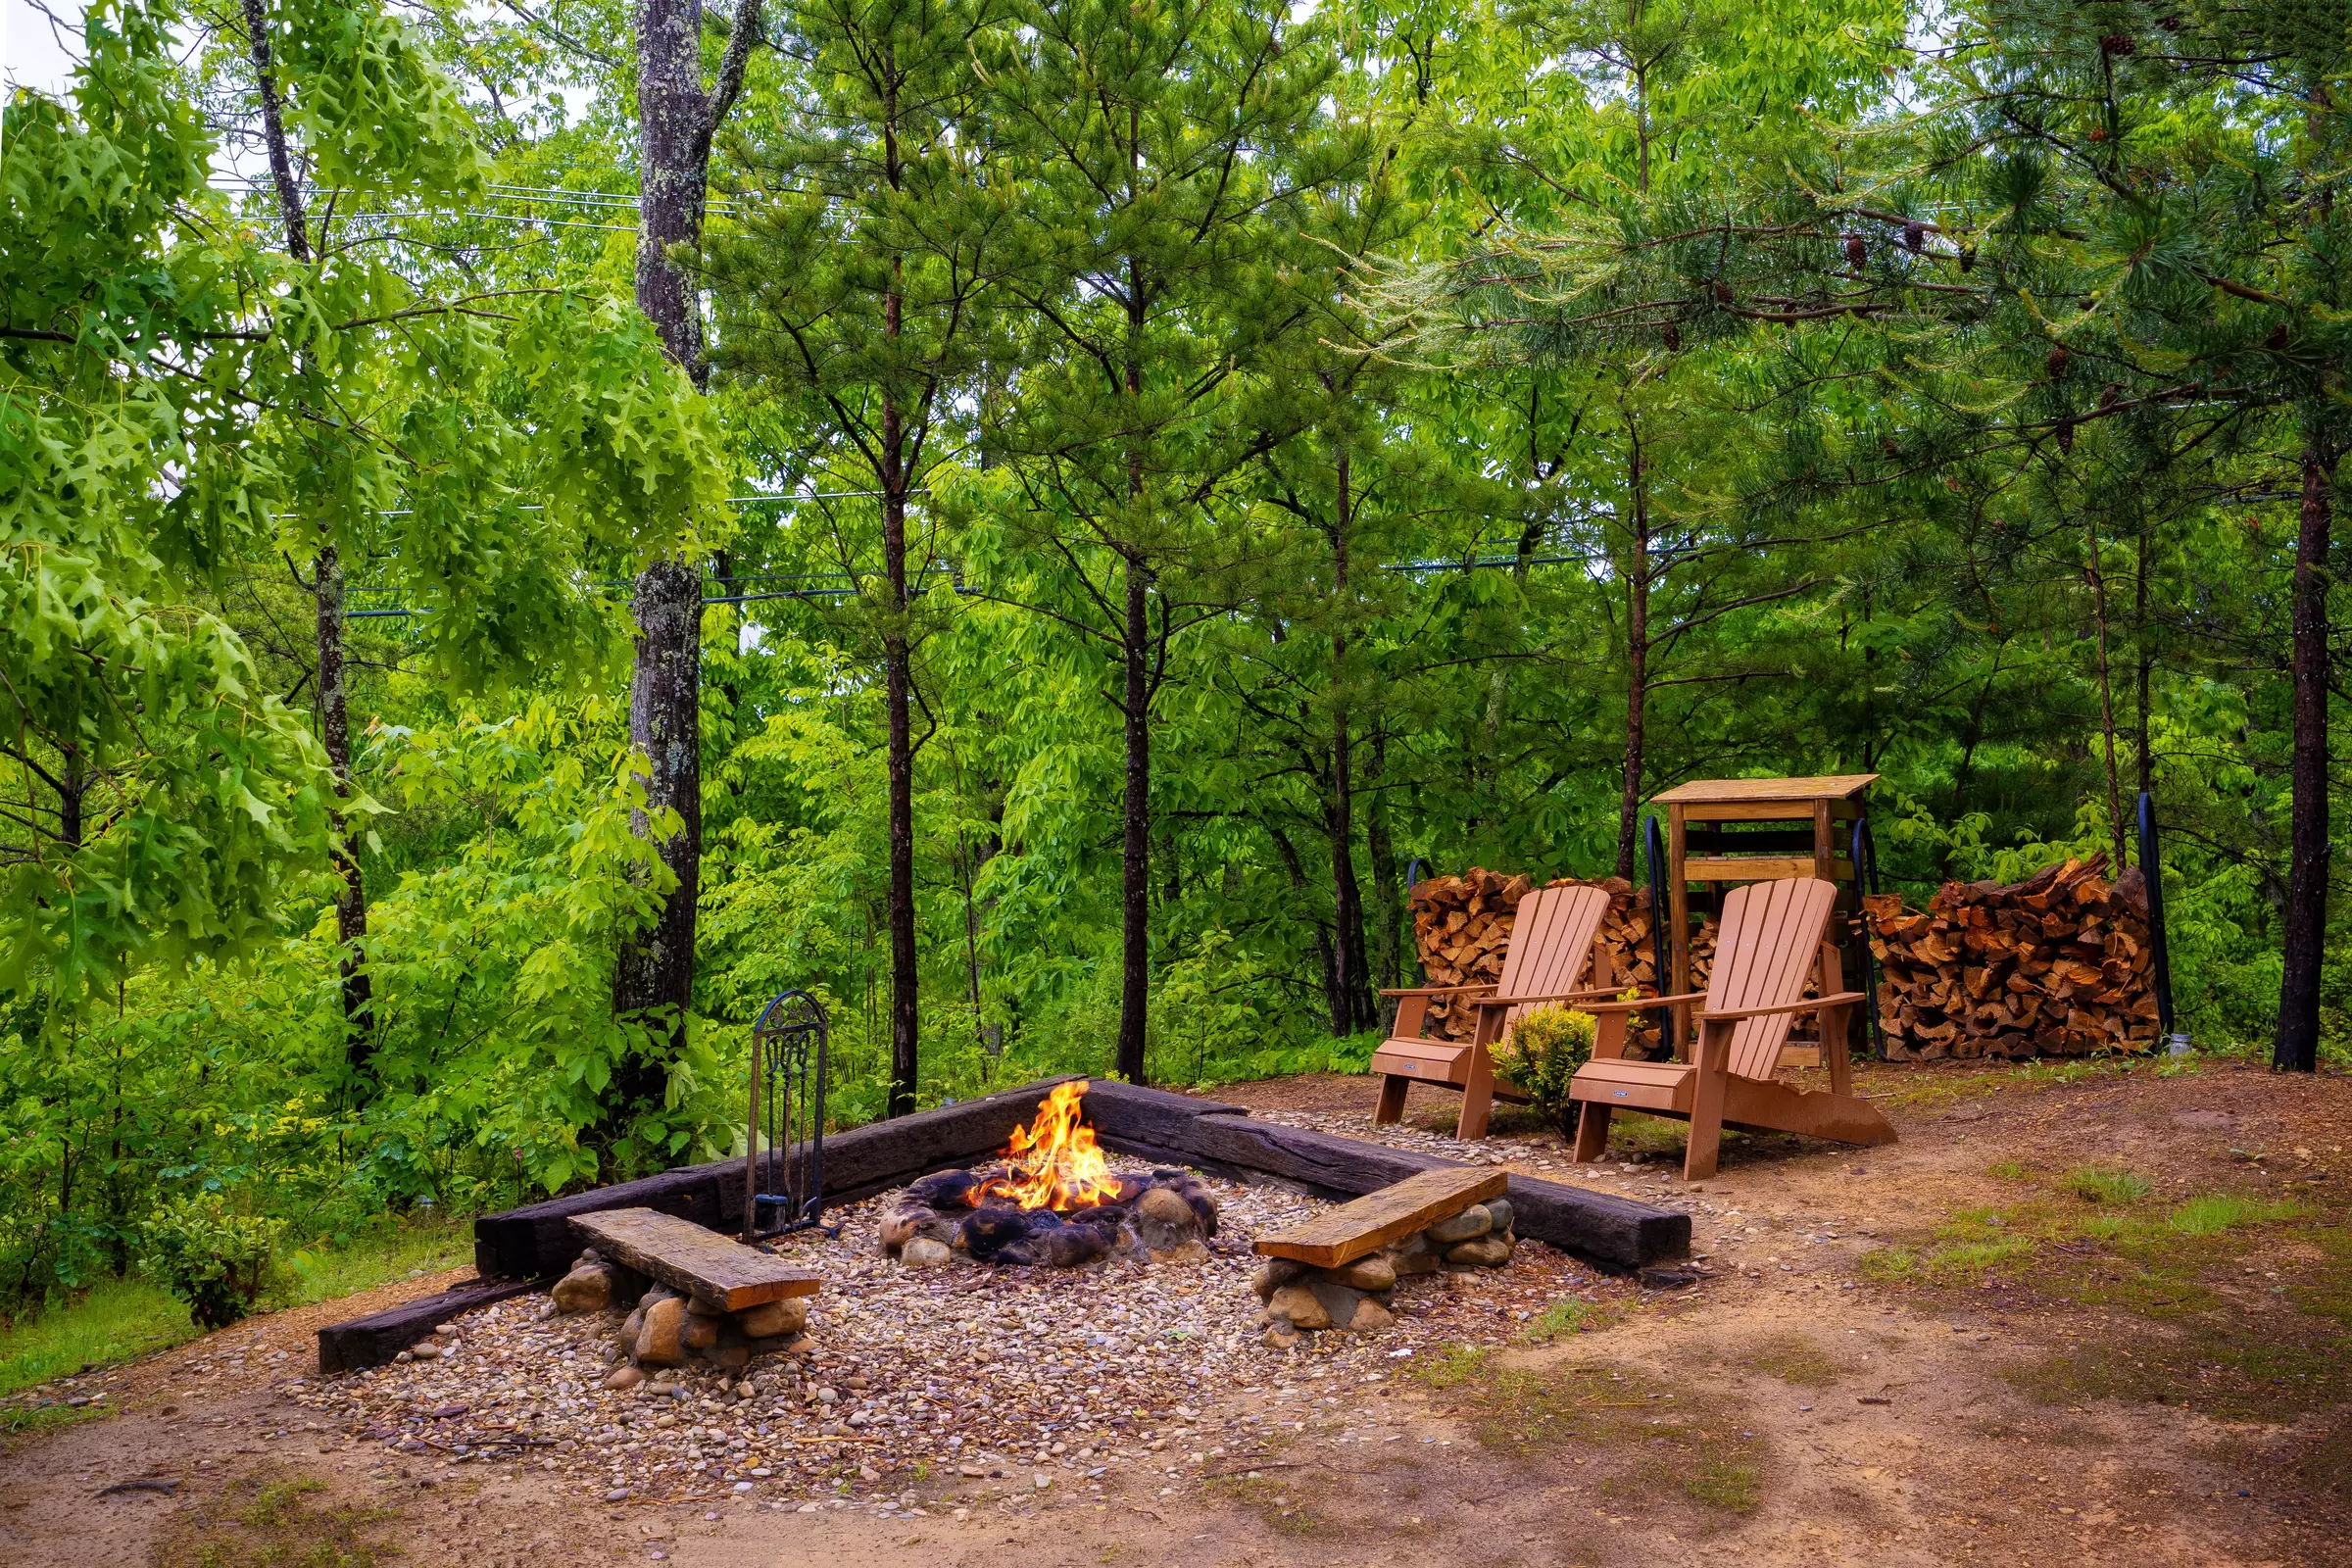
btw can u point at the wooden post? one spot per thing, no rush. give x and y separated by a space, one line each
1678 904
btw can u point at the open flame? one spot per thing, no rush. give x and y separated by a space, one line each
1054 1162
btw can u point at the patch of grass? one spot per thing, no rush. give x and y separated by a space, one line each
1672 1437
273 1524
2106 1184
20 1420
2010 1170
2216 1213
1952 1263
326 1272
2217 1368
113 1320
1725 1484
1568 1315
1793 1358
121 1320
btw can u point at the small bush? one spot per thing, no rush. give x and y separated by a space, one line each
2100 1184
215 1260
1543 1051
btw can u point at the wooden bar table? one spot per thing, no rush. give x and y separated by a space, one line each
1786 827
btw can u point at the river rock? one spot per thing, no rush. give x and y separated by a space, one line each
701 1333
1164 1220
588 1288
1415 1254
1338 1301
1501 1212
661 1341
1486 1251
1184 1254
1373 1273
1298 1303
623 1378
905 1226
1471 1223
1276 1272
771 1318
1370 1317
926 1253
626 1336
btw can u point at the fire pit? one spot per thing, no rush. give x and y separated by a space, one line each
1051 1201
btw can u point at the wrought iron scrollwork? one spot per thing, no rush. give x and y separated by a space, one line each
784 1158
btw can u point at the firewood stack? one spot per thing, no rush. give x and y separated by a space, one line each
1462 925
2060 964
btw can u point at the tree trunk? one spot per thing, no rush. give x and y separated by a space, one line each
334 717
675 121
1135 903
1637 667
2145 661
335 732
1388 905
2297 1046
1351 1005
904 1002
655 970
2098 601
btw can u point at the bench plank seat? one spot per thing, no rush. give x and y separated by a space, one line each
712 1268
1340 1236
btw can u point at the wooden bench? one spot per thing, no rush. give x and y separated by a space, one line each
714 1270
1339 1237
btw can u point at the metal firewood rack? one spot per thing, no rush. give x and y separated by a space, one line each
784 1150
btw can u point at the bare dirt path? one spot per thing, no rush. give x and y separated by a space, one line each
1942 1351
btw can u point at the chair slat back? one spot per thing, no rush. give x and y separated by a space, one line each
1769 940
1552 938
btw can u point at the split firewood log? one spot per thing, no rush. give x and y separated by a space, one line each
2062 963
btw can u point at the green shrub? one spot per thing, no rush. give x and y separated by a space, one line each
1543 1051
215 1260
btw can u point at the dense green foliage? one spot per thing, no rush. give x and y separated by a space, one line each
1325 443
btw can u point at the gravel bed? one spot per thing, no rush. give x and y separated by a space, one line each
1003 1382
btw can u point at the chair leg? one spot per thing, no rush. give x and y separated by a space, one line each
1478 1098
1392 1086
1592 1132
1706 1102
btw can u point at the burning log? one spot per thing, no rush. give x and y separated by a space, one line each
2059 965
1055 1203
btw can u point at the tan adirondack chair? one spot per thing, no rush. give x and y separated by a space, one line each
1552 938
1772 934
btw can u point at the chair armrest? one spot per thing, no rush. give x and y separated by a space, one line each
1840 999
1438 991
1556 996
1645 1004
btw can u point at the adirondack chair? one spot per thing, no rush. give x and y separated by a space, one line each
1772 934
1552 936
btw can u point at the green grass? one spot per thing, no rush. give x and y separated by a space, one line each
273 1524
2216 1212
113 1321
119 1320
1568 1315
2102 1184
1793 1359
1662 1436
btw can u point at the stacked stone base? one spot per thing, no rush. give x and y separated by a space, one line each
1358 1298
667 1329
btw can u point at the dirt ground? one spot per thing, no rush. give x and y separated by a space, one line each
2080 1315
